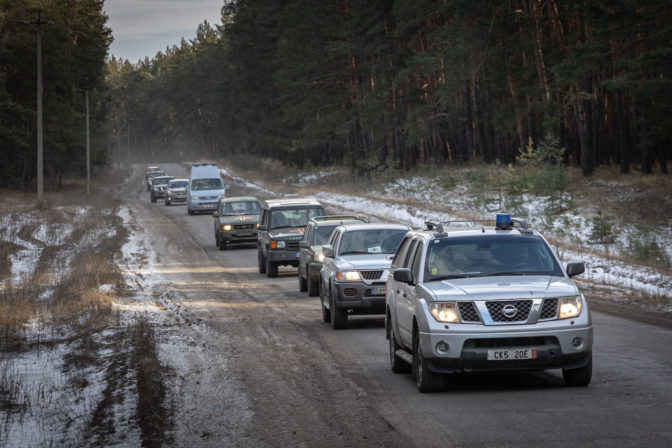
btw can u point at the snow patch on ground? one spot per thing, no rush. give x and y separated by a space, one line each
244 182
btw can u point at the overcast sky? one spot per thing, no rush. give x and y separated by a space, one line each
145 27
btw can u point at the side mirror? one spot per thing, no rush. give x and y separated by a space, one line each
215 214
304 244
328 251
262 227
575 269
403 275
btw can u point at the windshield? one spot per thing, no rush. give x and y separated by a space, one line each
240 208
156 173
482 256
161 180
371 241
321 235
206 184
294 217
178 184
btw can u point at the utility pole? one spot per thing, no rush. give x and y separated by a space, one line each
88 148
40 139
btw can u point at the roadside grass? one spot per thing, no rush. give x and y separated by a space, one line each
99 364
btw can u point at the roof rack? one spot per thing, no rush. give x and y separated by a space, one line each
337 217
204 164
518 223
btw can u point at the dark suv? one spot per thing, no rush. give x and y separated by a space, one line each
317 234
281 228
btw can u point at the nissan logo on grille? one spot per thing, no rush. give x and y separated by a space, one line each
509 310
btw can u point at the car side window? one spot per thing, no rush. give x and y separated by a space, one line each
408 260
401 252
416 259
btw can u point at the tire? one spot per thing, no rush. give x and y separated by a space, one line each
339 316
326 314
221 244
189 211
152 198
167 203
313 287
578 377
426 380
303 282
398 365
261 261
271 269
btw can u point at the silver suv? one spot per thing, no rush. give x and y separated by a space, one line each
356 266
485 298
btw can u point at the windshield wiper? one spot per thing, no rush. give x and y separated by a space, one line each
449 277
506 273
354 252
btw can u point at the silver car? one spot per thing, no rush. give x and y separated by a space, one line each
355 268
176 191
485 298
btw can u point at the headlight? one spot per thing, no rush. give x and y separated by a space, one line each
278 244
444 311
319 257
348 275
193 198
570 307
226 227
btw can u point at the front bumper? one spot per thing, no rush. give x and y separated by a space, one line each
203 205
469 349
175 198
360 297
236 236
159 193
284 257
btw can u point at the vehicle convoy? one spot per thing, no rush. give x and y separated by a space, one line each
356 265
149 169
236 220
150 177
281 228
159 185
205 188
311 257
473 299
176 191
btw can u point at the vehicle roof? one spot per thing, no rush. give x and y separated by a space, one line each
238 199
178 180
286 202
201 171
163 177
157 172
457 232
374 225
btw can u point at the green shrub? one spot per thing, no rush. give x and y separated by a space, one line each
602 229
644 248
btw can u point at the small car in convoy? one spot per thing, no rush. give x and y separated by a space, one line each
281 228
236 220
150 176
205 188
317 234
159 185
485 298
176 191
356 266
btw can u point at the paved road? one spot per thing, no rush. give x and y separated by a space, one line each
293 381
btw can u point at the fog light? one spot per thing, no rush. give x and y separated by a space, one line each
577 341
442 347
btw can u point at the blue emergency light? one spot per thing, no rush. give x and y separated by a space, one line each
503 221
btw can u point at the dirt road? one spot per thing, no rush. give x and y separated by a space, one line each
250 363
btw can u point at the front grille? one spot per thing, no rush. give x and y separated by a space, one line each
292 245
244 226
499 308
468 312
549 309
537 341
371 275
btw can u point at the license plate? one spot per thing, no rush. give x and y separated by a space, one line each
296 255
512 355
378 290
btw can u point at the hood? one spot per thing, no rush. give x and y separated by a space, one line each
370 261
207 193
178 190
287 233
494 288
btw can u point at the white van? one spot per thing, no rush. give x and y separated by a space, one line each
205 188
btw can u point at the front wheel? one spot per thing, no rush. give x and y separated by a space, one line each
262 262
339 316
303 283
271 269
578 377
152 198
426 380
326 314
